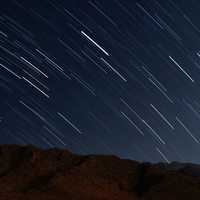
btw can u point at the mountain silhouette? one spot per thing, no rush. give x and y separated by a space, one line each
29 173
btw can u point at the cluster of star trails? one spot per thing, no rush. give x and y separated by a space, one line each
114 77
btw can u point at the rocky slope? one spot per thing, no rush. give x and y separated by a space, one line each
29 173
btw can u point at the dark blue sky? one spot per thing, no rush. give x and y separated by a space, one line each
109 77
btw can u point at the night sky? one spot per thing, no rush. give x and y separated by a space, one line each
102 77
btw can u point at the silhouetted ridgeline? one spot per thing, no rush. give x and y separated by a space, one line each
27 173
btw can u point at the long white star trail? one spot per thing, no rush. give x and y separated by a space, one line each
9 70
162 116
139 130
119 74
163 155
102 77
97 45
187 130
69 122
46 95
175 62
34 67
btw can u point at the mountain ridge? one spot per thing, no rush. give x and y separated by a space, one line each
29 172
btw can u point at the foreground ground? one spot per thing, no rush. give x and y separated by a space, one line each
29 173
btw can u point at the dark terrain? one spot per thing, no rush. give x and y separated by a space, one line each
29 173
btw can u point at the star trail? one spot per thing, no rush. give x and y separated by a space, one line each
98 76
